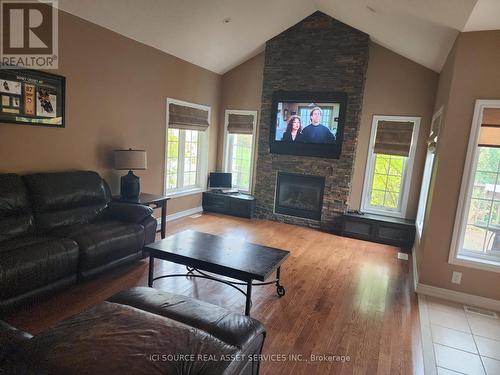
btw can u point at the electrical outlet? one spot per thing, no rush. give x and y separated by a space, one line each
402 256
456 278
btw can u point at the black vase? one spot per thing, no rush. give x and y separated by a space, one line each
130 185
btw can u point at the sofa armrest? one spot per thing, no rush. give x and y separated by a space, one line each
10 339
128 212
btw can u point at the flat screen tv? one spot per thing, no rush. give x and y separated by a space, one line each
219 180
307 123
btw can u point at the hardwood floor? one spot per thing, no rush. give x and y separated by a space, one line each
344 297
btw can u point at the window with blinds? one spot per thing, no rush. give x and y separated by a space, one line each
239 147
478 214
389 164
187 143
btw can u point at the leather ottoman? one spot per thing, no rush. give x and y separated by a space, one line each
139 331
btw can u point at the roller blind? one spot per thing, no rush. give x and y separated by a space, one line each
489 135
240 124
184 117
393 138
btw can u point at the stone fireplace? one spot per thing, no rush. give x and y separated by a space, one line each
299 195
319 54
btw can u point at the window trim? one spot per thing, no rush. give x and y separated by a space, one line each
428 168
204 140
407 174
422 203
225 160
463 205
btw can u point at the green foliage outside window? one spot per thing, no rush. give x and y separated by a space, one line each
483 220
387 179
241 157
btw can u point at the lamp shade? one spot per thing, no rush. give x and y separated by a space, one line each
131 159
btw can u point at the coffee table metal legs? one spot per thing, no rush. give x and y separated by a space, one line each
248 303
151 270
280 290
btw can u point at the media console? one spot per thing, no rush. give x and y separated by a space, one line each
382 229
242 205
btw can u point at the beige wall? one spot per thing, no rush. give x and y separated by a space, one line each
442 96
241 90
472 72
116 92
394 86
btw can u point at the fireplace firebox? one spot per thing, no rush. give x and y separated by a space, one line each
299 195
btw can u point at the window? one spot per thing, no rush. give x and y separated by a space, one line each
389 164
429 164
239 145
387 181
183 153
476 240
424 191
186 153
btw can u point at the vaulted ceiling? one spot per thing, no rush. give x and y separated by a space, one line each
221 34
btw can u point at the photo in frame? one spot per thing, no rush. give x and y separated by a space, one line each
32 97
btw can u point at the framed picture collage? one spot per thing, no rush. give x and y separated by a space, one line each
31 98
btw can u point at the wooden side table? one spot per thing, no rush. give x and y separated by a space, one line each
146 199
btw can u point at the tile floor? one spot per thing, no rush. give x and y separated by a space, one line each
459 342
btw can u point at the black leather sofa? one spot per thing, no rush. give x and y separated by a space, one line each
57 228
139 331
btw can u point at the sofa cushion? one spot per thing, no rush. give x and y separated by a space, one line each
28 263
15 212
230 327
66 198
103 241
112 338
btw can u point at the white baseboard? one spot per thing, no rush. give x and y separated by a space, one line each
463 298
180 214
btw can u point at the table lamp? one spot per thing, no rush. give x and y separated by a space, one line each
130 184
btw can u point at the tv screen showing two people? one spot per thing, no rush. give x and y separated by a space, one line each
307 122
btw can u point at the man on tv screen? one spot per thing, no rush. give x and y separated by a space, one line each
315 132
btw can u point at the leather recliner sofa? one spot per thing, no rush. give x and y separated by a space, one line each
57 228
139 331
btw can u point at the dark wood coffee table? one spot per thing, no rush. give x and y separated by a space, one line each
227 257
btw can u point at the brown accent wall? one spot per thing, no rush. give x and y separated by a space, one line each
115 98
471 72
395 86
241 90
442 95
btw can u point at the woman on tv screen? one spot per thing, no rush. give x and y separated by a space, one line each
293 132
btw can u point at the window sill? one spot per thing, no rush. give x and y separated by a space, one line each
183 193
389 213
477 263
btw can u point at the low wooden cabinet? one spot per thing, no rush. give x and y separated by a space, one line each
382 229
242 205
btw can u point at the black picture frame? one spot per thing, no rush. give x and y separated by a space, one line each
31 97
323 150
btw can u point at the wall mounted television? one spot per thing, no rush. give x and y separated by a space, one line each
307 123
